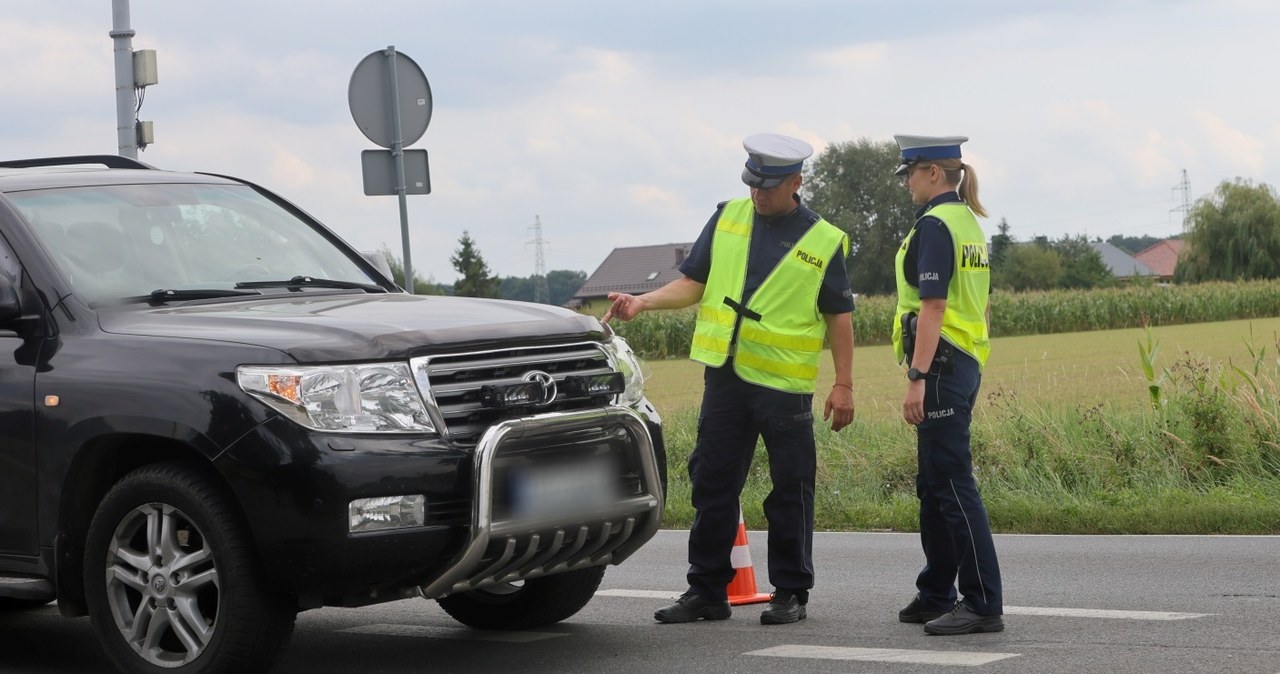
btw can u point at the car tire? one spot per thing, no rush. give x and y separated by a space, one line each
171 580
536 602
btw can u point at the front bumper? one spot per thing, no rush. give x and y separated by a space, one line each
294 486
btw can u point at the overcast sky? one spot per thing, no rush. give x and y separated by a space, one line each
621 123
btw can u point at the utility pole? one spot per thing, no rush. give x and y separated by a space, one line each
541 294
1183 190
135 70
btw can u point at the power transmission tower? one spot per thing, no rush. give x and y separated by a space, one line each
541 294
1183 190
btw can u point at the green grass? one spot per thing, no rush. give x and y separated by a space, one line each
1066 437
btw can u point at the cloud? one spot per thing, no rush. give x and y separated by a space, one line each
621 124
1234 147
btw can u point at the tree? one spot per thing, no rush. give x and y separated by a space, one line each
1028 266
421 286
476 280
1133 244
561 285
852 185
1000 243
519 288
1082 265
1234 234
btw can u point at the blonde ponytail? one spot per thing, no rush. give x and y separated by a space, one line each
969 191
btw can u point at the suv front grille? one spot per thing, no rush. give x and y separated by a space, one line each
453 382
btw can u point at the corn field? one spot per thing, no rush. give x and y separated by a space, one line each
666 334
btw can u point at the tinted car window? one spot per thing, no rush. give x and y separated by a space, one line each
115 241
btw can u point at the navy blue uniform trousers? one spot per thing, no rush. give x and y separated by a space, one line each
954 530
734 415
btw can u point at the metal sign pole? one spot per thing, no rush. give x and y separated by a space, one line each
397 152
381 79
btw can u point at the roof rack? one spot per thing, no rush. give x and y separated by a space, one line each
114 161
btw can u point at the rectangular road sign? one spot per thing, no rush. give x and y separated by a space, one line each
379 170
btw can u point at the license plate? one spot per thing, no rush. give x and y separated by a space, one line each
563 489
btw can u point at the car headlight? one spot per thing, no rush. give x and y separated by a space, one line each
378 397
629 364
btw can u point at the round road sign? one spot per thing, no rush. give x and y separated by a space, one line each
369 95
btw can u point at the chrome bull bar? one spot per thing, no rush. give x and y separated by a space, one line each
531 547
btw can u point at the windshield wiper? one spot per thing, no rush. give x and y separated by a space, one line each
181 295
313 282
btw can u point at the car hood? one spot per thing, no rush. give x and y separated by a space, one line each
328 328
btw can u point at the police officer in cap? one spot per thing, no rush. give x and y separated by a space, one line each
940 334
768 275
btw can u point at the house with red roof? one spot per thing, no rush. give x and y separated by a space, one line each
1162 257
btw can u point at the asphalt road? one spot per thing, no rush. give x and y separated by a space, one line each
1073 604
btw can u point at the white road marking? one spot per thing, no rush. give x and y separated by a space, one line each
1008 610
423 631
954 658
642 594
1100 613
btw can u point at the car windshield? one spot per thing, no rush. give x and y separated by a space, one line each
120 241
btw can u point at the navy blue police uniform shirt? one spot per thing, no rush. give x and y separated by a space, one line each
771 239
930 260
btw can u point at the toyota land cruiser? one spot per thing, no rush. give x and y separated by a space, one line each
217 414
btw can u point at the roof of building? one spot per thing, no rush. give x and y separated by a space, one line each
635 270
1121 264
1162 257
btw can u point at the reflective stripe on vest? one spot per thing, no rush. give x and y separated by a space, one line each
781 350
964 323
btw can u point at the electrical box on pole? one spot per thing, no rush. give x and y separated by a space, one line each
144 68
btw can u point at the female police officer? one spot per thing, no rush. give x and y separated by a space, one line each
943 280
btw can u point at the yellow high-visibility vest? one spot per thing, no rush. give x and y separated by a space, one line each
964 323
780 332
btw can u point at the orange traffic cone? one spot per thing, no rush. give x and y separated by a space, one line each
742 589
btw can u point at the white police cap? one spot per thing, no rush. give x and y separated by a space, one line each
772 157
926 148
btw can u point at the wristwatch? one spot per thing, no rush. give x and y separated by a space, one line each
914 374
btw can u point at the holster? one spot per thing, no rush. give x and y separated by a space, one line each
908 335
944 357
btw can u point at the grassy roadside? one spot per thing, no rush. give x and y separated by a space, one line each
1068 437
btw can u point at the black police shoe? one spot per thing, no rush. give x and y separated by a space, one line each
963 620
690 607
784 607
919 611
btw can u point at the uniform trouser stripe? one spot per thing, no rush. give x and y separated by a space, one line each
973 549
954 530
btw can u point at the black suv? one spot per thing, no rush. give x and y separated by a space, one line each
217 414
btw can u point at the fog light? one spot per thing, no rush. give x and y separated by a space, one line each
387 512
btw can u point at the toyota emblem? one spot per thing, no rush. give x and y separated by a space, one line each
548 384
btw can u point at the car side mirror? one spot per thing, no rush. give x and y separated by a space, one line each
10 306
379 261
